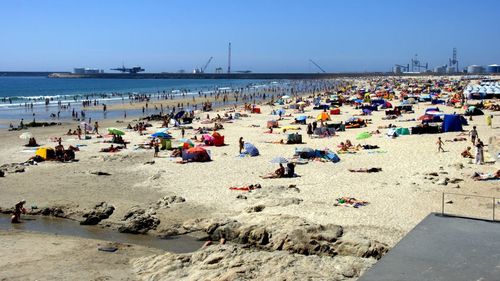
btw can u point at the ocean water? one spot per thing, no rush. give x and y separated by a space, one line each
17 92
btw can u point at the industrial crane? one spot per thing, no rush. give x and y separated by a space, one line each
404 68
202 70
319 67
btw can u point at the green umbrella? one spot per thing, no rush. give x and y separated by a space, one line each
115 131
363 136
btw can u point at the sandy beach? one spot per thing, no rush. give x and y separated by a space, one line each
268 231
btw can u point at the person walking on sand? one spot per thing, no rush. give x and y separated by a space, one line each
309 130
157 148
183 132
473 135
241 144
96 128
479 152
489 118
440 145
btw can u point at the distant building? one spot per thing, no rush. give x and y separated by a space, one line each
475 69
493 68
396 69
86 70
440 69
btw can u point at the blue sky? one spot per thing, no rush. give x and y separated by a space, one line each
266 36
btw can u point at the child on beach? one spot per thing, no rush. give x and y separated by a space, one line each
473 135
440 145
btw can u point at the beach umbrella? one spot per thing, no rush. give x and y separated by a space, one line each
115 131
250 149
301 118
301 103
279 160
162 135
26 135
285 97
363 136
196 149
185 143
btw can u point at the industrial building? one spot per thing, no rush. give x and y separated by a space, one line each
475 69
493 68
86 70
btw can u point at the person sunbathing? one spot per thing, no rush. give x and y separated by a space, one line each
176 153
486 176
279 173
457 139
343 147
69 133
467 153
111 149
348 144
364 170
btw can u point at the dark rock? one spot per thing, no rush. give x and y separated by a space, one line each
100 212
139 221
2 174
99 173
255 209
241 196
168 200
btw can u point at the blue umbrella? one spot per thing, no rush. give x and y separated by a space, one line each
162 135
301 118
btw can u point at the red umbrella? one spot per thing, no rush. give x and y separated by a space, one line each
196 149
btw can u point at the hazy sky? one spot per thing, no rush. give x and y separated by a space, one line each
266 35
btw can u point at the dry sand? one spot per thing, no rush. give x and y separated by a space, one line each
400 195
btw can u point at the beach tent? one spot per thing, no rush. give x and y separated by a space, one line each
301 119
250 149
207 139
305 152
218 139
280 111
179 114
46 153
323 116
452 123
166 144
196 154
333 157
473 111
256 110
403 131
335 111
294 138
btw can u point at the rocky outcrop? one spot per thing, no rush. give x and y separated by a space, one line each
230 262
100 212
293 235
139 221
166 201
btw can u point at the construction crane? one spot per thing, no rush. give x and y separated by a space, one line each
202 70
404 68
417 65
319 67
